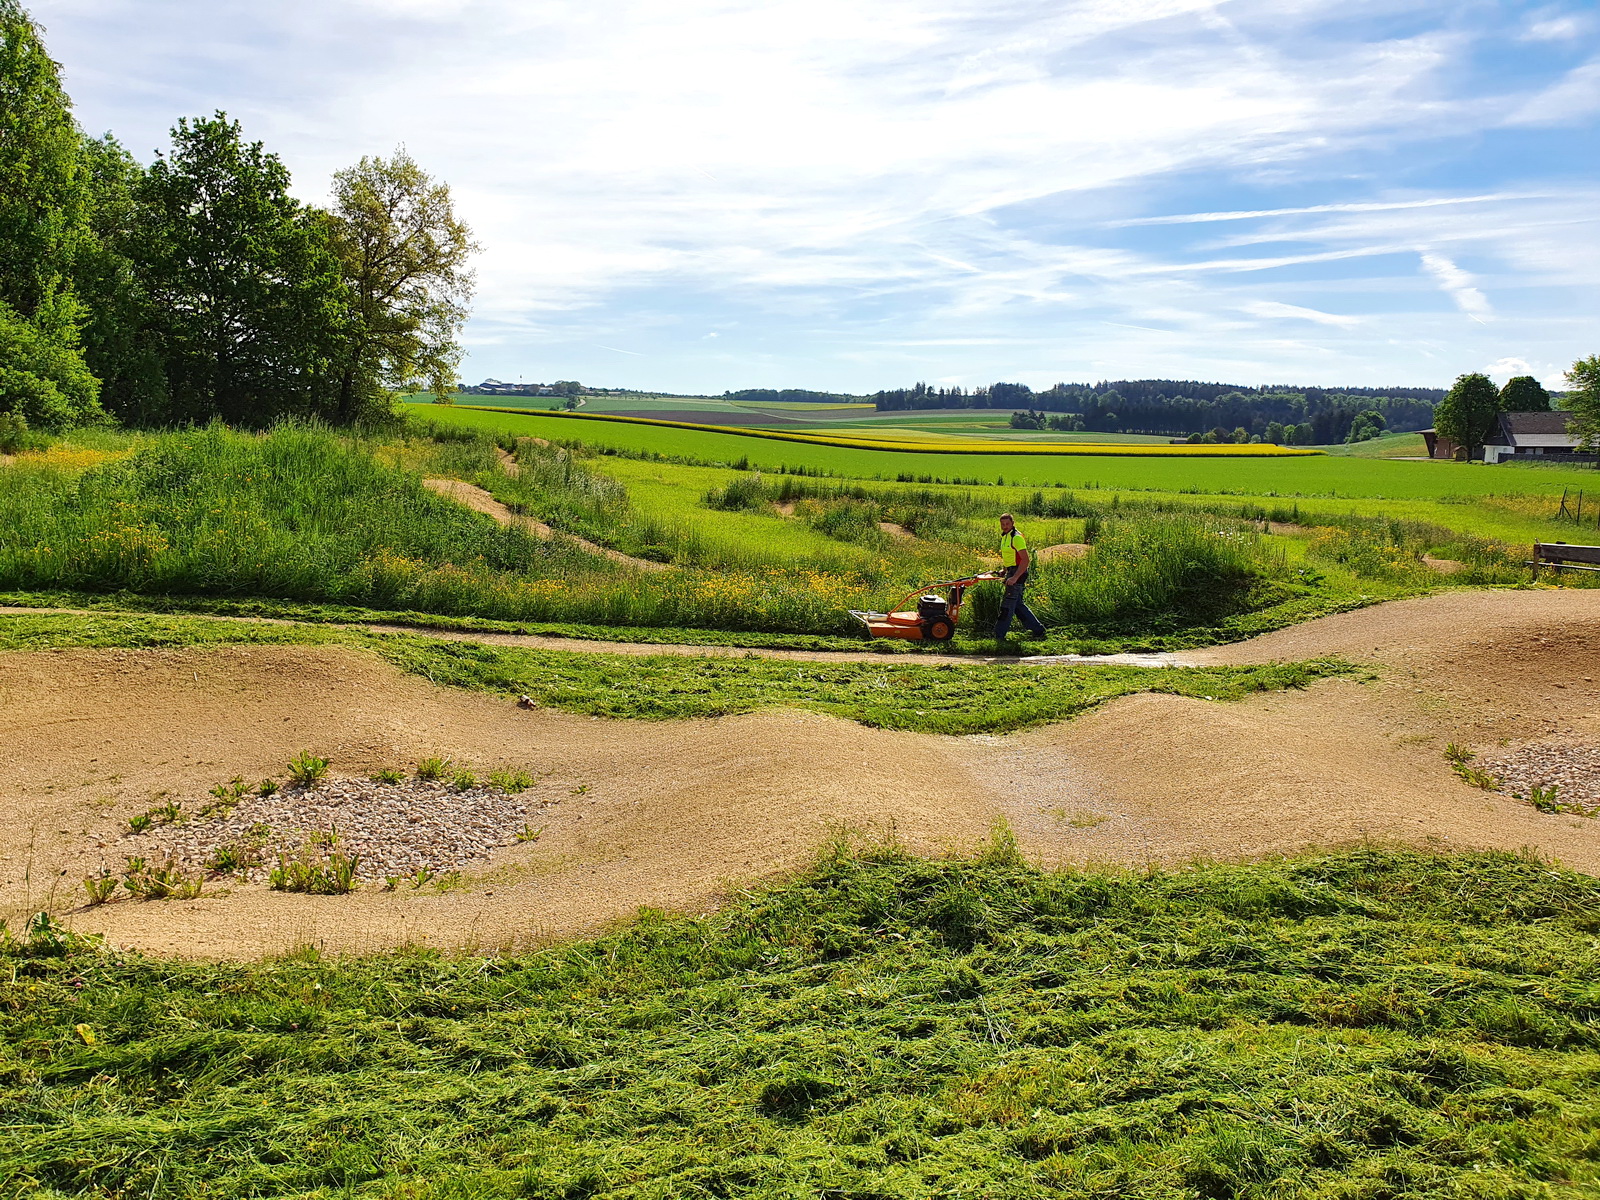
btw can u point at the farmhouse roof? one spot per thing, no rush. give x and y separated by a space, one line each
1534 422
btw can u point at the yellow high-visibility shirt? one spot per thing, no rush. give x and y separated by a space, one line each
1010 543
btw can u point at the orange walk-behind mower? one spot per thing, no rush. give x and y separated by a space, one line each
933 619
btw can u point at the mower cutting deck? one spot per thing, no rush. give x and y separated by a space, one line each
933 619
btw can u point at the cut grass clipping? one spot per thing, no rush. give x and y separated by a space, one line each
948 697
1359 1026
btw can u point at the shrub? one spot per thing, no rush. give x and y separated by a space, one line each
15 436
1152 572
744 492
43 378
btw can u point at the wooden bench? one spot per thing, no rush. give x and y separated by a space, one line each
1559 556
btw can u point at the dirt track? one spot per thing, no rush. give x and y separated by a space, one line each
479 500
675 812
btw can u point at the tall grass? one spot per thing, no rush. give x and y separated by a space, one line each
1155 573
296 513
303 514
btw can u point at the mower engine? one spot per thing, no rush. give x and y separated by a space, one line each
934 618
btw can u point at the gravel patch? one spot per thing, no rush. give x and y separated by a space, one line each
1572 769
395 829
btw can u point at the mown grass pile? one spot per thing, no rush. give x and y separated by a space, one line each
1359 1026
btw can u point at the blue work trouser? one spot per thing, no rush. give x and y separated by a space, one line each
1012 606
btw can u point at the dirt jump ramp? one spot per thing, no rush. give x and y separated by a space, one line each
673 814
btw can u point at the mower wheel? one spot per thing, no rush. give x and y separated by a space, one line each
939 630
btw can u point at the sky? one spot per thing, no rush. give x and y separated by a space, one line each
850 195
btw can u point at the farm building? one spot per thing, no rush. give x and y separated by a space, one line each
1543 435
1520 435
1438 445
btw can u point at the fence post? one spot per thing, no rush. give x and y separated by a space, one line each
1562 512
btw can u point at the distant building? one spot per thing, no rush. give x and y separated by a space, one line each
1546 436
1539 436
499 387
1438 445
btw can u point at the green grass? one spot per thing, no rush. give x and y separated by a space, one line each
1358 1026
303 516
1390 445
1510 517
1312 476
951 698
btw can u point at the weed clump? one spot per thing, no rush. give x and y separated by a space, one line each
307 769
513 780
433 768
315 869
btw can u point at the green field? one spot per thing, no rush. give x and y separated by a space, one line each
1360 1026
1308 477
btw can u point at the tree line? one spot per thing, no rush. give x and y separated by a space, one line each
1181 408
195 287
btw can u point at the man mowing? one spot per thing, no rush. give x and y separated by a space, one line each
1014 553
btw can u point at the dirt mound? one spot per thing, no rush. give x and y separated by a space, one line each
667 814
634 813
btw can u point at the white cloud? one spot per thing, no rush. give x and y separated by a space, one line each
1505 368
1556 27
1575 96
1458 285
915 173
1355 207
1274 309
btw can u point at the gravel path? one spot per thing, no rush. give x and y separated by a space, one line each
1572 769
395 829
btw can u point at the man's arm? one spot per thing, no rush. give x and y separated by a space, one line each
1020 569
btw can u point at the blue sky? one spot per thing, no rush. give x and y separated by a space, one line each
857 194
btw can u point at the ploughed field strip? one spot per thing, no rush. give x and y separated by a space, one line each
387 830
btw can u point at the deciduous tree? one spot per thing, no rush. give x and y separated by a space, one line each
404 254
1583 399
1468 413
247 304
43 194
1524 393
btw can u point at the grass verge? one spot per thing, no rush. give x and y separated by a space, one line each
1354 1026
920 697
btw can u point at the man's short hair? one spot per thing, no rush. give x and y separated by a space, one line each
1008 517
